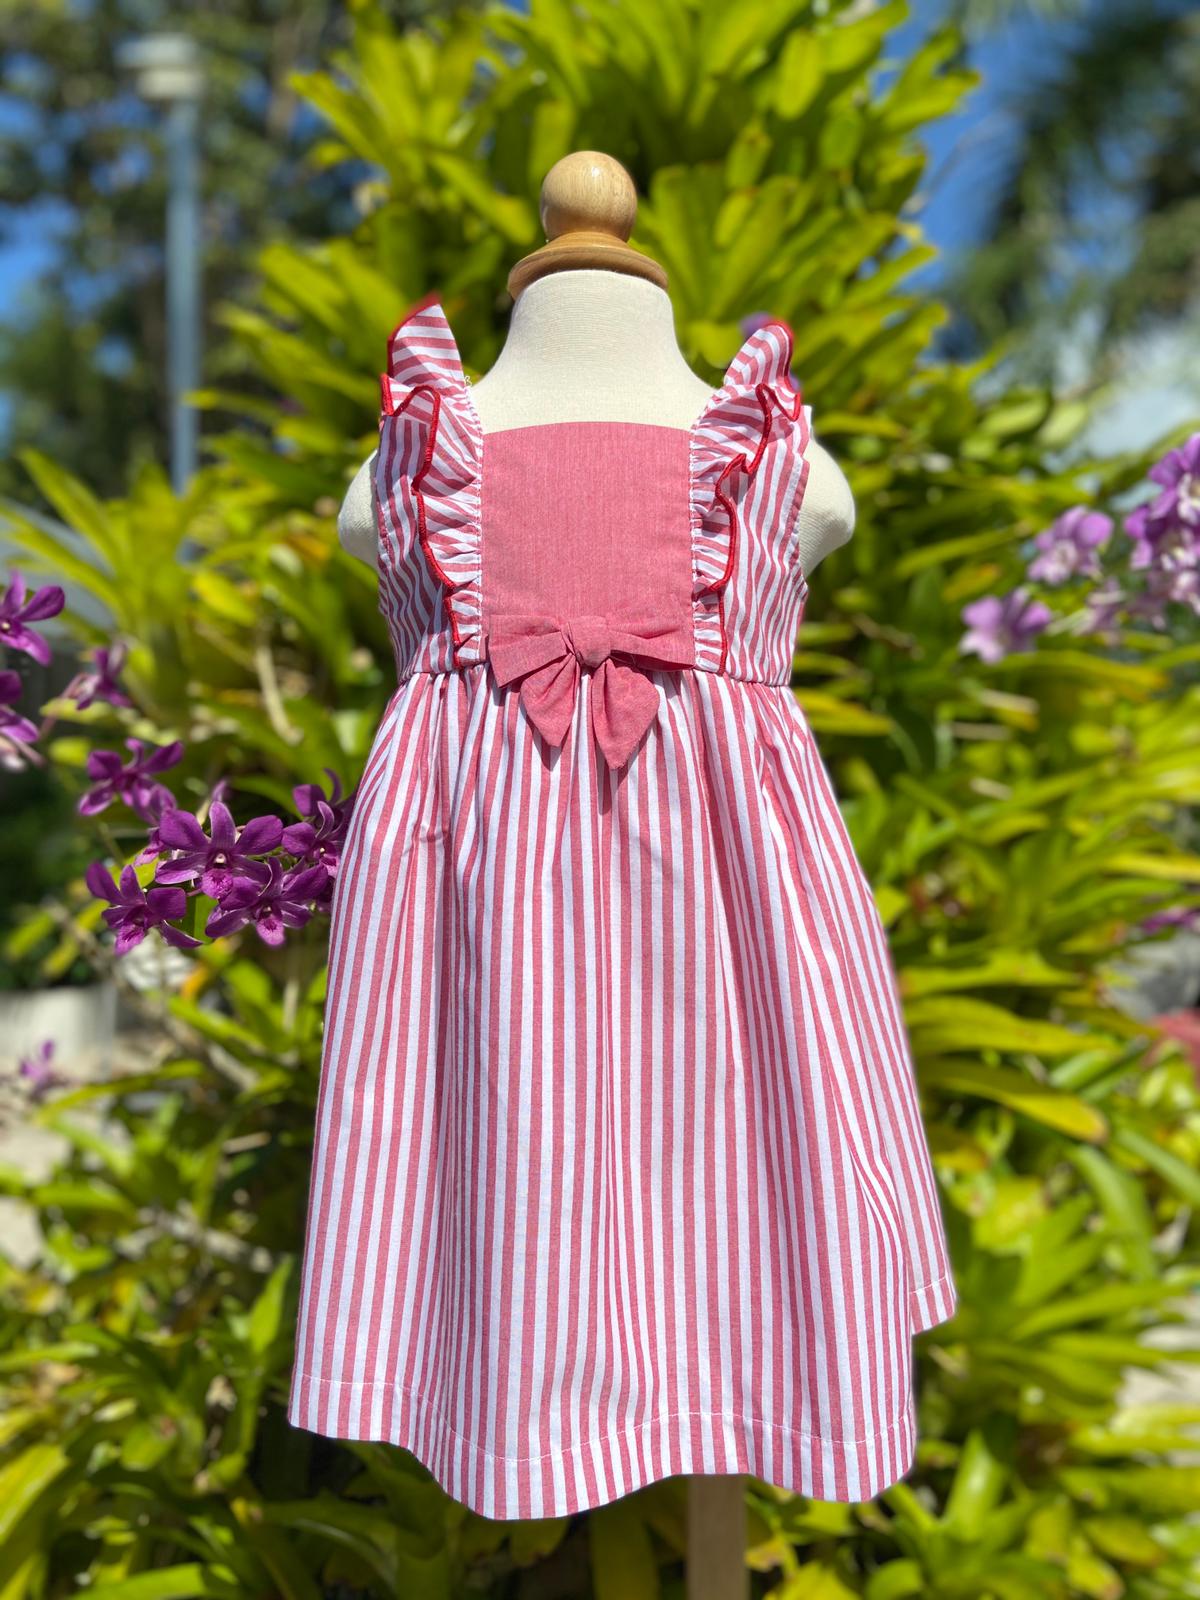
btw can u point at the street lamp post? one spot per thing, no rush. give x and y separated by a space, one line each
167 72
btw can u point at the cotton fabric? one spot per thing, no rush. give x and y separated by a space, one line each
619 1169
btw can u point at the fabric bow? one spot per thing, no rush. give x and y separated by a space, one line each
547 655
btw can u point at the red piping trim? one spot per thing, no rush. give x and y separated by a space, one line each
433 298
767 397
449 587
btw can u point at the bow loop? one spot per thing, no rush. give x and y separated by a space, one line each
547 657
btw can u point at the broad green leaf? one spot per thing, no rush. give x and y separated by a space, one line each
1125 1540
1171 1168
266 1317
281 1559
1110 1300
171 1583
799 74
230 602
81 512
944 1025
1001 969
984 1468
24 1479
1051 1107
1175 867
830 715
815 1580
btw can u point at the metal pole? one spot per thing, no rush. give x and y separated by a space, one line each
183 284
167 72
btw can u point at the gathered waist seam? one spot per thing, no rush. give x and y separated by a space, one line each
708 672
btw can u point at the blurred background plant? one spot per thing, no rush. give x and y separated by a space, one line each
1001 668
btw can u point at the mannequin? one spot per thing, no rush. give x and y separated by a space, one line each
592 339
592 345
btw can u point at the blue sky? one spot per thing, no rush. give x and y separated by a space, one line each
974 145
968 151
958 146
952 215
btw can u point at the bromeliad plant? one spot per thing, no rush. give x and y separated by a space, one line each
1019 783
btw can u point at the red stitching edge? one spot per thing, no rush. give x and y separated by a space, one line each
766 398
449 587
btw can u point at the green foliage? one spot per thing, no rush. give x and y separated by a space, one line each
1017 822
82 356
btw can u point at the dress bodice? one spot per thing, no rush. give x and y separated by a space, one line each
611 548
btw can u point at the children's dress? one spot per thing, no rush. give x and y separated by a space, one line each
619 1168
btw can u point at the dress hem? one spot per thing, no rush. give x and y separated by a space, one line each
932 1303
593 1472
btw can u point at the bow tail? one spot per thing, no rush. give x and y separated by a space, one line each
623 704
548 696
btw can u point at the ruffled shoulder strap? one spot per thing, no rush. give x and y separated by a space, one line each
758 414
422 351
429 467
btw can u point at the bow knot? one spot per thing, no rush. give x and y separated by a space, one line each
547 656
590 638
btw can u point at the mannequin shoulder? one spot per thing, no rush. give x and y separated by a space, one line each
826 517
356 519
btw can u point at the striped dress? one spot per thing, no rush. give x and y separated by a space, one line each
619 1168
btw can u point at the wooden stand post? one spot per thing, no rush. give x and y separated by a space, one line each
716 1538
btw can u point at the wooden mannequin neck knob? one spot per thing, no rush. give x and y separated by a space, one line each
588 209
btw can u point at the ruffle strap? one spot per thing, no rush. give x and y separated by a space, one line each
431 452
759 404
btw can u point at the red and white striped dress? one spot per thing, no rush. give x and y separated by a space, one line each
619 1166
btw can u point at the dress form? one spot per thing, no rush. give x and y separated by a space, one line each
592 339
593 344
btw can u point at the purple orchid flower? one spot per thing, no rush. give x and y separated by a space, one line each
1104 607
998 626
1185 917
160 802
133 911
1069 547
132 783
100 682
319 845
318 839
1166 585
223 855
16 612
319 842
36 1072
1178 473
755 321
308 797
284 901
1161 541
17 733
